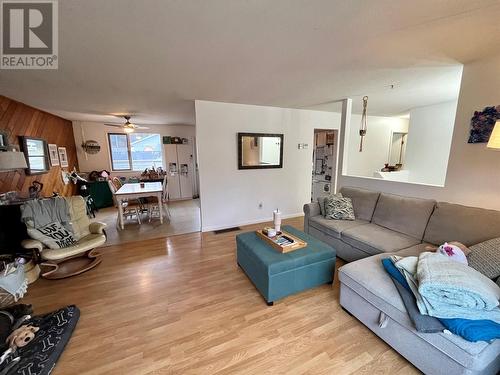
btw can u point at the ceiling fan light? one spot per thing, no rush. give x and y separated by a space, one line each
128 129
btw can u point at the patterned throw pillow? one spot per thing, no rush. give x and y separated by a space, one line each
52 235
485 257
339 208
321 201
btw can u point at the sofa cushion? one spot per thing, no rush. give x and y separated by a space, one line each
469 225
374 239
363 201
414 250
403 214
334 227
367 278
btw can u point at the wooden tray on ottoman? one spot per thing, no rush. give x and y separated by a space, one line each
298 244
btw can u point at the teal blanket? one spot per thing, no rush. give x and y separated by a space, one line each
450 289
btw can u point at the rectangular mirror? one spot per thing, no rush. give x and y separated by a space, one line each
397 148
260 151
37 156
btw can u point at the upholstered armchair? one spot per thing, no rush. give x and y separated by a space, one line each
78 257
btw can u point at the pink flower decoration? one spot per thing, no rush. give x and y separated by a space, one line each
449 250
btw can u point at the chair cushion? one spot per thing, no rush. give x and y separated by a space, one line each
78 215
53 235
374 239
334 227
363 201
403 214
469 225
84 244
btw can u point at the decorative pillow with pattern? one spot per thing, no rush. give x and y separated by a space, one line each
53 235
321 201
485 257
339 208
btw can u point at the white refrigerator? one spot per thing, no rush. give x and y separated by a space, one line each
179 160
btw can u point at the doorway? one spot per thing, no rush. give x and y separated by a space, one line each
324 167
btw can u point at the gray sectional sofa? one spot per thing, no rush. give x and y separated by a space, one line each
389 224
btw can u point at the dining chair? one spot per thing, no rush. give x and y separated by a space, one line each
153 206
128 209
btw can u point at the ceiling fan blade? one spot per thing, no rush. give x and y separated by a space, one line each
141 127
115 125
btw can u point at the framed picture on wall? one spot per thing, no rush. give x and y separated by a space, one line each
53 155
63 157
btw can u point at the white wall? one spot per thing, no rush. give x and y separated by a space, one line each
98 132
473 176
429 142
375 145
231 197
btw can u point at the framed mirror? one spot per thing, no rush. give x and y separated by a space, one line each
37 155
397 149
260 151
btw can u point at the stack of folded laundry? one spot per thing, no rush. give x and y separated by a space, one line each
443 294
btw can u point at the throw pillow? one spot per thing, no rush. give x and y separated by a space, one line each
52 235
485 257
339 208
453 252
321 201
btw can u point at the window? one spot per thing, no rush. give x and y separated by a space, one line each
135 151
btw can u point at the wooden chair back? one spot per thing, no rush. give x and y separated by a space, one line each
164 194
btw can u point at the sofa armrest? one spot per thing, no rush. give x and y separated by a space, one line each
97 227
32 244
312 209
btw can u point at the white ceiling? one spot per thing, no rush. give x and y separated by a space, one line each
155 57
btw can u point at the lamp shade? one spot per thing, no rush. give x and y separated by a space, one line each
11 160
494 141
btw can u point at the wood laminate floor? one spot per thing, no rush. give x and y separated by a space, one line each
180 305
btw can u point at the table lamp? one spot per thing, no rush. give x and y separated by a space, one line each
494 142
12 160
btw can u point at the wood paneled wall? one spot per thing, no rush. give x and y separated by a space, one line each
20 119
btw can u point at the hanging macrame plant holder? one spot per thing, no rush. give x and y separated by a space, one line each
364 122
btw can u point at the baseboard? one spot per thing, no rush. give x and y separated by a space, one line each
211 228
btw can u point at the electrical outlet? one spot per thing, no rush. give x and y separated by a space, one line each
260 205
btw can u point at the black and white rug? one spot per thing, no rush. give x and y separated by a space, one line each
39 357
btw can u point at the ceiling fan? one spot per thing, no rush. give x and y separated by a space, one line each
128 127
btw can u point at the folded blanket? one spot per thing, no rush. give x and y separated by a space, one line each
473 330
451 289
470 330
38 213
407 266
422 323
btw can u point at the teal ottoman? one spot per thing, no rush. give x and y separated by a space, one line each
278 275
